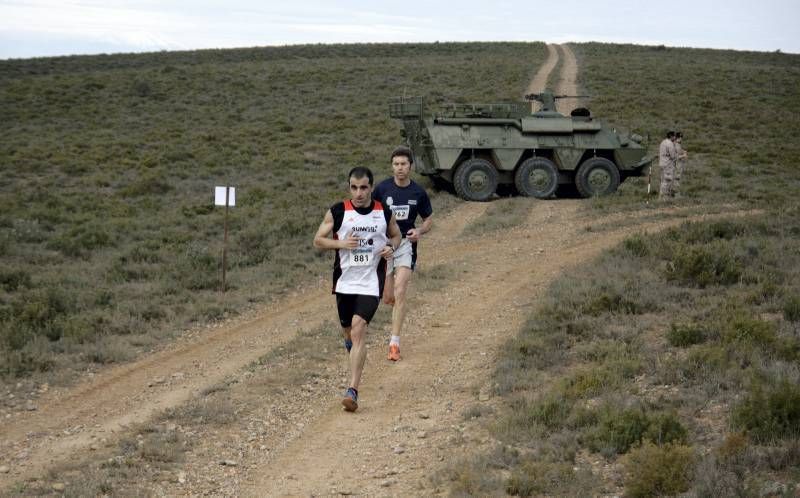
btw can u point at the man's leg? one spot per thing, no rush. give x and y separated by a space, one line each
364 308
388 288
402 279
345 308
348 341
358 355
667 175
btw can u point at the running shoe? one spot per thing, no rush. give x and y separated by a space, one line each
348 344
350 400
394 352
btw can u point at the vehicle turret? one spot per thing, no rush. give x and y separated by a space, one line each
548 101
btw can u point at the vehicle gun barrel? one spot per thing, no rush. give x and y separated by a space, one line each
540 96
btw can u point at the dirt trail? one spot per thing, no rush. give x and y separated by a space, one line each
539 81
568 81
410 422
69 421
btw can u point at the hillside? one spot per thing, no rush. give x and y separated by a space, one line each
554 347
109 239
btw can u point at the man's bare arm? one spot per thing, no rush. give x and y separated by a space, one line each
395 236
323 240
416 233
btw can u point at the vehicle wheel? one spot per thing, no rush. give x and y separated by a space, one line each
597 176
475 180
537 177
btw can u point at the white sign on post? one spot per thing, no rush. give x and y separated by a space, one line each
219 196
225 196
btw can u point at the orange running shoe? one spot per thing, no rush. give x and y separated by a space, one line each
394 352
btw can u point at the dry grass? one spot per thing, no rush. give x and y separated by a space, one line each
672 358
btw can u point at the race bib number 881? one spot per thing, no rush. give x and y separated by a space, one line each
361 256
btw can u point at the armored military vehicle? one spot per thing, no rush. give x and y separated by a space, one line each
478 147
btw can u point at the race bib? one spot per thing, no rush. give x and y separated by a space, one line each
361 256
400 212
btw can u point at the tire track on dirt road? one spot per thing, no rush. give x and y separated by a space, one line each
71 420
539 81
568 81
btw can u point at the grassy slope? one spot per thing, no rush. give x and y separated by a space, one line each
671 362
108 240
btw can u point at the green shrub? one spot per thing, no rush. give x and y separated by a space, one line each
5 243
43 311
617 430
23 351
148 185
769 413
610 301
733 447
538 478
685 335
590 382
636 245
256 245
80 241
705 360
15 335
791 308
109 349
141 88
703 233
703 266
12 280
744 329
652 470
198 269
665 428
552 411
20 363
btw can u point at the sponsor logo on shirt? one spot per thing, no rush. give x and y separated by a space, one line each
412 202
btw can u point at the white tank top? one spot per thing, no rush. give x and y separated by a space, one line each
359 266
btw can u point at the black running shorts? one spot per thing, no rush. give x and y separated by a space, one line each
349 305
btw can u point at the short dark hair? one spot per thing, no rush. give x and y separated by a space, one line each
402 150
670 134
678 134
360 172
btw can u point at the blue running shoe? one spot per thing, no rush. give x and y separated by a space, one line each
348 344
350 400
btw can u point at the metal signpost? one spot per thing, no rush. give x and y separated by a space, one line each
225 196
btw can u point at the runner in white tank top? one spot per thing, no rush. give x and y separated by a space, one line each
361 270
364 234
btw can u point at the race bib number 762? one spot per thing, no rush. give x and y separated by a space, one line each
400 212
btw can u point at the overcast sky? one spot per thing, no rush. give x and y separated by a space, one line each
33 28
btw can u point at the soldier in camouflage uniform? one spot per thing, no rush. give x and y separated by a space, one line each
680 164
667 157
